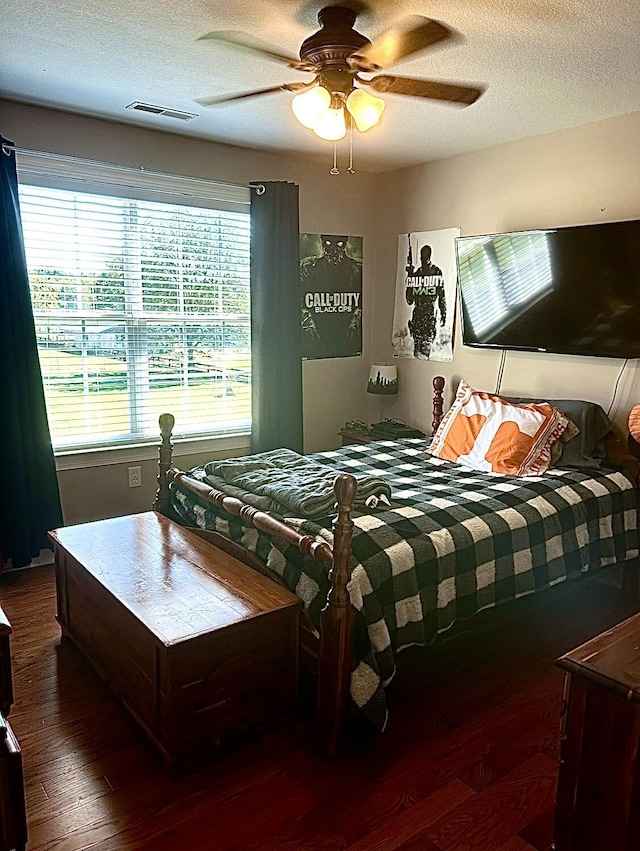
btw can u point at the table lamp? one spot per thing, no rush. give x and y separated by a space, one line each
383 381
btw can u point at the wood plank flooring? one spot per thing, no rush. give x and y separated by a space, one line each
468 761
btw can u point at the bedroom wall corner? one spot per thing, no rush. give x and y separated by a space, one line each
577 176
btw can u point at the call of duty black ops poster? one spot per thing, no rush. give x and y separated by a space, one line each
425 295
331 295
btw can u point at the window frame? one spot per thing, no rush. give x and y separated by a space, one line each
72 174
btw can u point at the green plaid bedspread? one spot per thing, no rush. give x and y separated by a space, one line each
453 542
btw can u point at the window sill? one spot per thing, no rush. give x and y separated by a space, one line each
149 451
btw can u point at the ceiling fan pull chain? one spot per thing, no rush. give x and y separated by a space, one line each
351 169
335 169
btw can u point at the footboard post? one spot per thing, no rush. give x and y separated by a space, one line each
165 453
336 625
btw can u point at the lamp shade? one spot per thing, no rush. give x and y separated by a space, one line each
331 125
365 109
309 106
383 379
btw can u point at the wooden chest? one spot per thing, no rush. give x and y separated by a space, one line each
194 643
598 799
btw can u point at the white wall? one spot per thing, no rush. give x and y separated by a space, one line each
328 204
578 176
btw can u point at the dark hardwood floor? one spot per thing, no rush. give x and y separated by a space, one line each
468 761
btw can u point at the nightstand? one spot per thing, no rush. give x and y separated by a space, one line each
349 437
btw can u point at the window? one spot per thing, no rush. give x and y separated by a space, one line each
141 306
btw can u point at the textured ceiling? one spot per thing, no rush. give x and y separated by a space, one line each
547 64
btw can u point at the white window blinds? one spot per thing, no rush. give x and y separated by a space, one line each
141 306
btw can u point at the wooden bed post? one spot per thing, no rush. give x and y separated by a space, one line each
336 625
165 453
438 385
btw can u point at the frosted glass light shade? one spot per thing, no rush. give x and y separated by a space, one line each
331 125
365 109
308 107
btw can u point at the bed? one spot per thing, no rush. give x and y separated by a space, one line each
452 542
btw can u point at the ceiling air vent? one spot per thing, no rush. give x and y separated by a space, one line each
162 110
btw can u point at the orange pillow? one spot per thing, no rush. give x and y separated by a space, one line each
486 433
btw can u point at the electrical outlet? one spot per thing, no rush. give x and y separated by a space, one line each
135 477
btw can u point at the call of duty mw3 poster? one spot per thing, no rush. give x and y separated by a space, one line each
425 295
331 295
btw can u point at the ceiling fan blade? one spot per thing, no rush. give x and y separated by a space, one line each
246 42
285 87
406 38
452 92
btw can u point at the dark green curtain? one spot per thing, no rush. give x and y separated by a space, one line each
31 501
276 338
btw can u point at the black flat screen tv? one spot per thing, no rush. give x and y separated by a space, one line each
573 290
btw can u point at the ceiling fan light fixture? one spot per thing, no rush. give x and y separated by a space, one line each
309 107
365 109
332 125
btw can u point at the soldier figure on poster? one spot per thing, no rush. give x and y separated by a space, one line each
425 296
425 291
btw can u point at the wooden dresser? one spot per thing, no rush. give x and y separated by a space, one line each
195 644
13 816
598 799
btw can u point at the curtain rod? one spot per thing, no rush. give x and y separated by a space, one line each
8 148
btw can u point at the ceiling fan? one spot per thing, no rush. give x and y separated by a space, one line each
337 55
